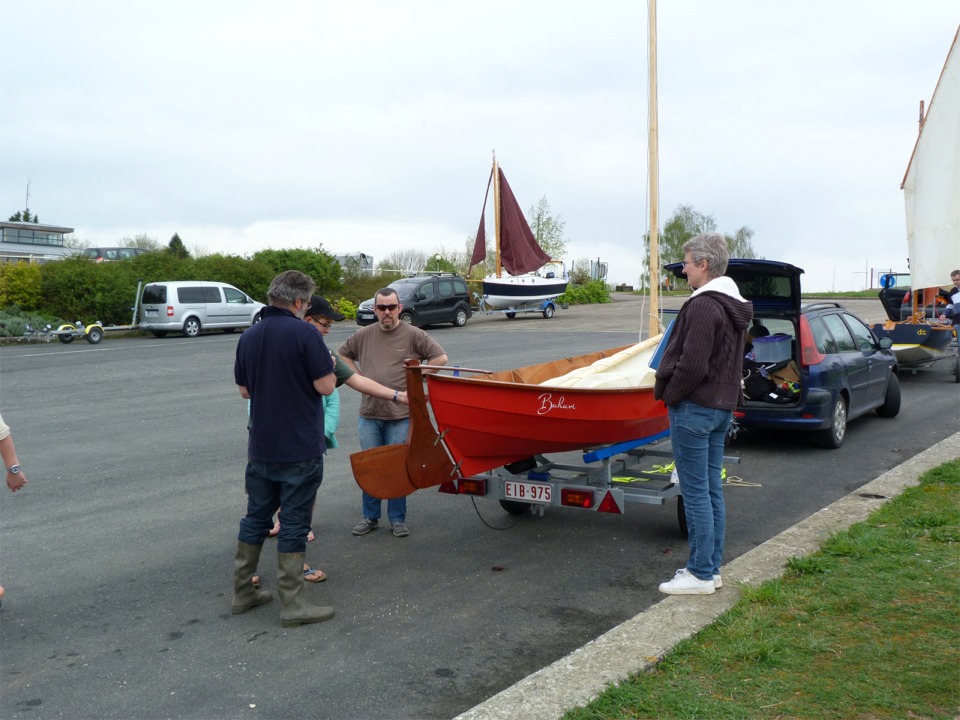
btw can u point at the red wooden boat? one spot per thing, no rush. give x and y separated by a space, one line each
487 420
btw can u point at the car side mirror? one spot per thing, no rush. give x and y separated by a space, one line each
886 343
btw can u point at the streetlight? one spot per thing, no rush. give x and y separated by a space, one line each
438 258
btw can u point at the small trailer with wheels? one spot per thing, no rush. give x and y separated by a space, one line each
547 308
93 333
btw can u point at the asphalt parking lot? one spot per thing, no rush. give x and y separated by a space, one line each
117 556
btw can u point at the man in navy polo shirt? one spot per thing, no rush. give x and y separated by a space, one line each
284 368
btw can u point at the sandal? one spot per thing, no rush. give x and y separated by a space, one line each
308 571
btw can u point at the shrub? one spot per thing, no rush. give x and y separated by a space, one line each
595 291
20 285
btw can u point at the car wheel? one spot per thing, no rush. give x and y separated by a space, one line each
891 401
159 333
191 328
833 436
407 318
548 312
514 508
95 336
461 318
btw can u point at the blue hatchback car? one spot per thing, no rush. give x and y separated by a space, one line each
809 367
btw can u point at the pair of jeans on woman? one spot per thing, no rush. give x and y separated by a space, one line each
289 487
375 433
697 434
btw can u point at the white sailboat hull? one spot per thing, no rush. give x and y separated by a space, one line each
509 291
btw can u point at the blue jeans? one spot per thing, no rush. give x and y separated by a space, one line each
697 434
289 487
374 433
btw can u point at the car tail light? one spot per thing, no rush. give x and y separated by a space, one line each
169 310
576 497
809 354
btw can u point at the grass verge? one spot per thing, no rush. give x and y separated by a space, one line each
868 627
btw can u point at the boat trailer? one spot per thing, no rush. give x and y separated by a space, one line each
547 308
606 480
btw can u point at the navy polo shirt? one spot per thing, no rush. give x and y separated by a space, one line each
277 361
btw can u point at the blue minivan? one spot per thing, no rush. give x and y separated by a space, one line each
812 367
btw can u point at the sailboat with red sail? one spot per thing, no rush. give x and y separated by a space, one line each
524 274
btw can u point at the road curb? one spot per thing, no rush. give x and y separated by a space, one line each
641 641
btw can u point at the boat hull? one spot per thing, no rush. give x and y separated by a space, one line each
490 421
516 291
916 343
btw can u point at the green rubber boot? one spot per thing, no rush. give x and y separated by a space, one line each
296 610
245 595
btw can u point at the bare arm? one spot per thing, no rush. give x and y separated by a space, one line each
9 454
325 385
350 363
438 360
371 387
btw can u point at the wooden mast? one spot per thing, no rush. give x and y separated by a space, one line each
496 205
654 175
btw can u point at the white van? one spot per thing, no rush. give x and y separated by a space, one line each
189 306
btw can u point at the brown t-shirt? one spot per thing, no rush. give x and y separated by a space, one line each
380 355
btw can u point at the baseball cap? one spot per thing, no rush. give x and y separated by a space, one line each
320 306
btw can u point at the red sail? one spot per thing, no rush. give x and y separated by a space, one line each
519 252
480 246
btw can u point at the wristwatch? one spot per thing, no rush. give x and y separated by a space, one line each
14 469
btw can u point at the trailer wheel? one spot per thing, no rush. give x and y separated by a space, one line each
94 336
548 312
510 315
682 517
514 508
66 338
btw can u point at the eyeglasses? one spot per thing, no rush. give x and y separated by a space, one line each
384 308
690 262
322 323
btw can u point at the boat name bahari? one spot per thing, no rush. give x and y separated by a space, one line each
547 404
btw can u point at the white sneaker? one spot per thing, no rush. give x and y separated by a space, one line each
717 582
684 583
674 478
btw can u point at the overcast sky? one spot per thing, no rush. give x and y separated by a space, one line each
369 126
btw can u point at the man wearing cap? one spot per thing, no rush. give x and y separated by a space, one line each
380 351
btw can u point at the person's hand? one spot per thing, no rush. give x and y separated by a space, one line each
402 397
15 482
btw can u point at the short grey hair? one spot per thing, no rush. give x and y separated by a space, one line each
290 286
387 292
711 247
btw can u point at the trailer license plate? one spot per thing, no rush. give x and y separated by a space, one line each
527 492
